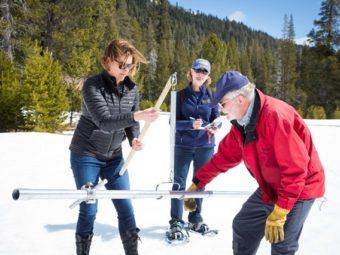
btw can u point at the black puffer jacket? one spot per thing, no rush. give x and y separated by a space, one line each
107 117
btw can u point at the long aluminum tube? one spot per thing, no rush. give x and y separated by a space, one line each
172 132
27 194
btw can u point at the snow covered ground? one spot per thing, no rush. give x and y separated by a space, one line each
40 160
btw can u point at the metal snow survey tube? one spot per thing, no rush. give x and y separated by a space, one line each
85 195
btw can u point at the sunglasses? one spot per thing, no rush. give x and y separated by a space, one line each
203 71
123 66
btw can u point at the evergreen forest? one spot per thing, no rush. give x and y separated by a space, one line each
49 47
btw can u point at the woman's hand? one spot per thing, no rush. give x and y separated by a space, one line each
137 144
148 115
197 124
213 130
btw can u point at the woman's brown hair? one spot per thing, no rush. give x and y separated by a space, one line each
118 48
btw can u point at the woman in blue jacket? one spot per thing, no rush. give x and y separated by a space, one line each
193 142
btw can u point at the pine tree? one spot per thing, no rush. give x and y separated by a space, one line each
329 92
259 65
84 37
73 88
182 64
137 36
291 29
245 66
152 56
11 13
45 93
123 20
325 53
327 32
287 63
10 95
309 76
7 31
285 27
163 66
233 55
165 46
108 18
271 75
138 41
215 50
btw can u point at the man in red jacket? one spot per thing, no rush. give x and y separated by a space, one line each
277 149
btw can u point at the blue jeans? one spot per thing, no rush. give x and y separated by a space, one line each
89 169
249 223
183 158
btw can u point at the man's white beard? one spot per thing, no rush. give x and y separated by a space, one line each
233 112
230 116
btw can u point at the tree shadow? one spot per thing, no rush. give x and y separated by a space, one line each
108 232
154 232
105 231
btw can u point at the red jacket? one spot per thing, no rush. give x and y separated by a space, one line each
277 149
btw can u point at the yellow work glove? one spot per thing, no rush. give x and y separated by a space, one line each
274 225
190 203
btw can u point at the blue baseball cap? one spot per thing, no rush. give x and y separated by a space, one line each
201 63
229 81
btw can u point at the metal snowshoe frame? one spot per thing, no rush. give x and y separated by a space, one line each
203 229
177 234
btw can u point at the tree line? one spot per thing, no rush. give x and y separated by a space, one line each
48 48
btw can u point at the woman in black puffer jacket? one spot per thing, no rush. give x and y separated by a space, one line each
110 114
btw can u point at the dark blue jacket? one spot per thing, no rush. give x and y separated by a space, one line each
194 105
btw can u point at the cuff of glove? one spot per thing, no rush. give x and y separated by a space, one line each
197 183
281 212
192 187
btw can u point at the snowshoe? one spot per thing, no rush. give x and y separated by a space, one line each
177 233
202 229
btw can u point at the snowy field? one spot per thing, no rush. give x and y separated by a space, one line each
41 160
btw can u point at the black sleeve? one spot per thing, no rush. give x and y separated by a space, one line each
97 108
133 131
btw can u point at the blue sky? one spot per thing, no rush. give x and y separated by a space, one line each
264 15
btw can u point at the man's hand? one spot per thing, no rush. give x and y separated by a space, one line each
274 225
190 203
137 144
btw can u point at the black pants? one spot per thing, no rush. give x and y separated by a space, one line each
249 224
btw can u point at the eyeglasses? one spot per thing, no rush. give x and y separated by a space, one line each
203 71
123 66
221 105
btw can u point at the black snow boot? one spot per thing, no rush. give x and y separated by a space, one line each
83 244
130 241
